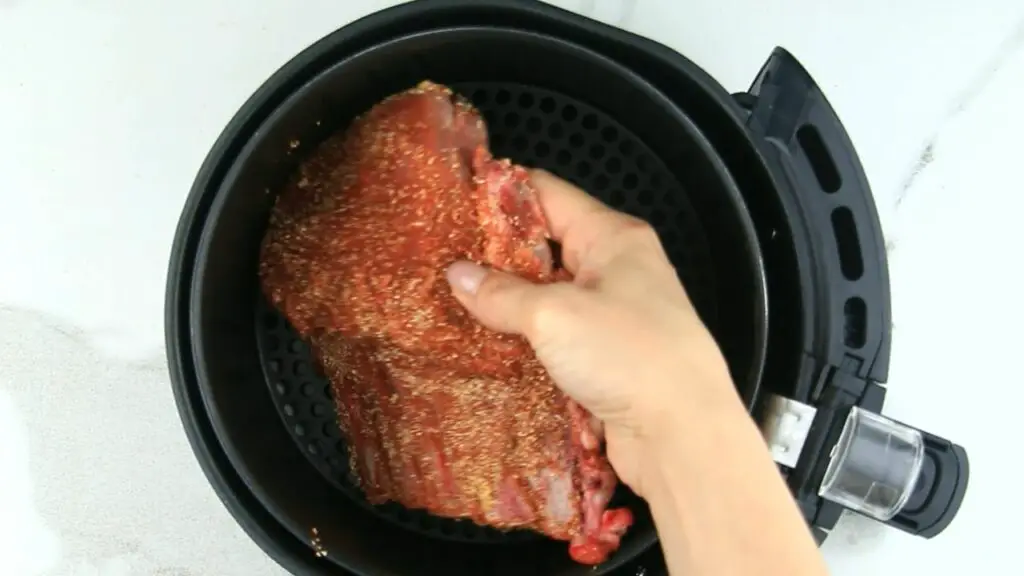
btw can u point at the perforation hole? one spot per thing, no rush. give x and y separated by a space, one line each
668 237
491 118
583 169
630 181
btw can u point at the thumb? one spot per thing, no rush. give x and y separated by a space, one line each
500 301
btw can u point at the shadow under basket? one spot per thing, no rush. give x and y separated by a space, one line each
548 103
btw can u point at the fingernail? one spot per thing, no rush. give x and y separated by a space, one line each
466 276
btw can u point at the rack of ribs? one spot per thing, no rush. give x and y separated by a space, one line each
439 412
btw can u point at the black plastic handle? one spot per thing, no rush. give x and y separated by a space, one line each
939 491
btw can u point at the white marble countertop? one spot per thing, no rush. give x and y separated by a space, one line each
107 108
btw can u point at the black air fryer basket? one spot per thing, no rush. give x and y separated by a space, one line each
758 198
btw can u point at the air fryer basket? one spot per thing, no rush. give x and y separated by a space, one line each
538 128
548 103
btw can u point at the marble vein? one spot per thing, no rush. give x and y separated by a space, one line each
961 103
626 15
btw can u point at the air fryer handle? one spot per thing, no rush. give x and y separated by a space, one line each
939 491
894 473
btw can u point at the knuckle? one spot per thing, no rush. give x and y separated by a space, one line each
548 312
640 232
631 235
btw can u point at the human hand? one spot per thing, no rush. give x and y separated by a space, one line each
622 339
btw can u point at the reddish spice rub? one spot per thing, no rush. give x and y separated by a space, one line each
440 413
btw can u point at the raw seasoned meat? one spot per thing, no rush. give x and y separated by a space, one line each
440 413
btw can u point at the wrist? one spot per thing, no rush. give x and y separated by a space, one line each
689 410
713 491
696 386
695 433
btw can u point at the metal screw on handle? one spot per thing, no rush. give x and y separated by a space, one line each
785 427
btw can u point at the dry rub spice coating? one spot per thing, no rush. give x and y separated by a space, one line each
440 413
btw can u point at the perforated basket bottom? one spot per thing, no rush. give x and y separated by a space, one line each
534 127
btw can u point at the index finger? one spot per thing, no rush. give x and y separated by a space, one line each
577 220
